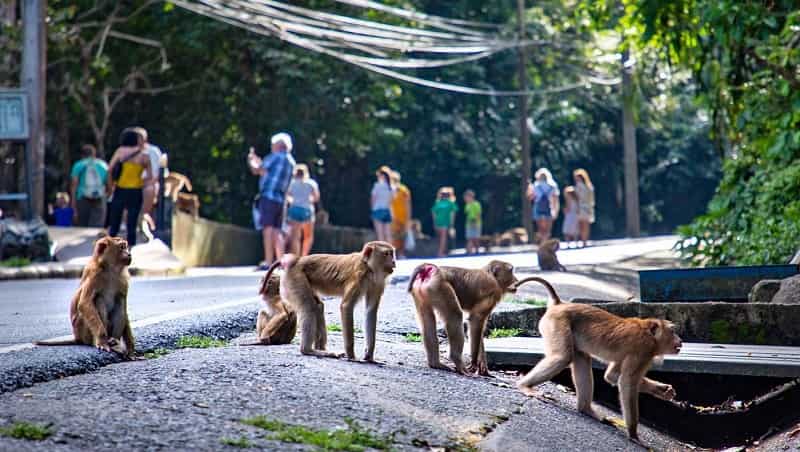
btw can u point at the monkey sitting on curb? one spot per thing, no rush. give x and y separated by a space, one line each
575 333
99 309
447 291
351 276
548 261
277 322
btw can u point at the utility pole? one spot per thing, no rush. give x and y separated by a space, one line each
33 82
630 156
524 134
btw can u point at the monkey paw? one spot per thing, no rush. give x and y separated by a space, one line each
527 390
666 392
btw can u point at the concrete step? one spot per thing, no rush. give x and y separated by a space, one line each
702 358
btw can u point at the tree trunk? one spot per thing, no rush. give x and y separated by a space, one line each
524 134
630 157
34 62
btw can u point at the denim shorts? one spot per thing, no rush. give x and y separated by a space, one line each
299 214
472 231
382 215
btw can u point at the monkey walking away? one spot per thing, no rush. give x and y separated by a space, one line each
351 276
574 333
448 292
548 261
277 322
99 309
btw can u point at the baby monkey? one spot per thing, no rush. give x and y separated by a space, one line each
277 322
574 333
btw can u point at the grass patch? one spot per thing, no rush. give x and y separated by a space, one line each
353 438
199 342
241 442
26 430
413 337
504 332
536 302
15 262
336 328
156 353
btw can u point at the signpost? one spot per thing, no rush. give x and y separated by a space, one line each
14 127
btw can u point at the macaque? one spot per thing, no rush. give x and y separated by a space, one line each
351 276
99 309
449 292
548 261
277 322
574 333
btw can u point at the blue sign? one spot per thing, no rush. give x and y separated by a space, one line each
13 115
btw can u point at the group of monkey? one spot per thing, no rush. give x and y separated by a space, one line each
573 333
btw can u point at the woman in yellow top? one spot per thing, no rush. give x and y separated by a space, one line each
401 215
128 188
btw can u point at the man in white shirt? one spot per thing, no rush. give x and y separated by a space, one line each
151 189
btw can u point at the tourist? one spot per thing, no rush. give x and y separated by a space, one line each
302 195
570 226
62 213
444 216
401 214
126 176
275 174
585 192
381 202
543 194
88 188
472 228
151 188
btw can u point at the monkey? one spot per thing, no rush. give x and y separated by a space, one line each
188 203
352 276
99 309
449 292
548 261
277 322
174 183
575 333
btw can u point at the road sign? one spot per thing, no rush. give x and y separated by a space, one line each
13 115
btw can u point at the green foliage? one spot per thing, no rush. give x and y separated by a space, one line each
199 342
26 430
504 332
744 55
156 353
15 262
536 302
241 442
352 438
334 327
413 337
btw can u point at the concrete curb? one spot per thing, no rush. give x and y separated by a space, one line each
24 368
56 270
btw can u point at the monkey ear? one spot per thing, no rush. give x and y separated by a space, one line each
367 252
495 268
654 327
100 247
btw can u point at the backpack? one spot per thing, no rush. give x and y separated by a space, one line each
93 185
542 204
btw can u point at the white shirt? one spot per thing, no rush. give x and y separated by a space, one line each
300 190
154 153
382 194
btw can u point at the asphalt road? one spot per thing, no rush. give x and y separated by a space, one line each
39 309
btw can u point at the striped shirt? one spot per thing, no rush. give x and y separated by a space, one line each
279 167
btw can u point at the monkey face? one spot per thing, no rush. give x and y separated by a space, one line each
271 287
669 343
379 256
113 251
503 272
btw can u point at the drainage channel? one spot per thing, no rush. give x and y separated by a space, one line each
711 411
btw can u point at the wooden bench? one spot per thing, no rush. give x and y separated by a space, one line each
728 359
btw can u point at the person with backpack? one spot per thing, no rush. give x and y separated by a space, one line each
127 177
88 188
543 195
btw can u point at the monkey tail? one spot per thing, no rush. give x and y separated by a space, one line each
263 289
554 299
52 343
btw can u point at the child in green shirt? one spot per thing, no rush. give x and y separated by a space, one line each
444 215
472 230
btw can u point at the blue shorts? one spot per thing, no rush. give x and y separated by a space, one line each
542 215
382 215
472 231
299 214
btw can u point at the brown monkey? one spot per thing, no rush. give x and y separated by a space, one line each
449 291
351 276
99 309
277 322
548 261
574 333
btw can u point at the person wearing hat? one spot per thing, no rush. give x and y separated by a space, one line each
275 174
444 216
380 202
